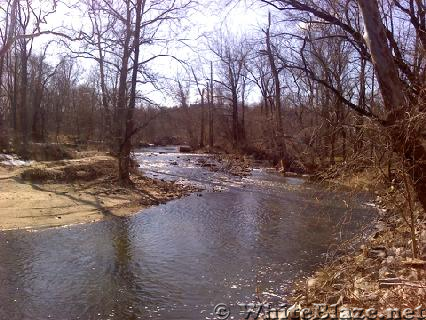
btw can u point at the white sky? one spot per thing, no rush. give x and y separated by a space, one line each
239 18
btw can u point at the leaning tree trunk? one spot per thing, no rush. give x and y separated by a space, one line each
410 145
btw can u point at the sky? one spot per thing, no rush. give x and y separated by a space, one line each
240 17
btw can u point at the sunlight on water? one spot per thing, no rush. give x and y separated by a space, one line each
178 260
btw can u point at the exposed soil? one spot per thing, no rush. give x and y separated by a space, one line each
58 193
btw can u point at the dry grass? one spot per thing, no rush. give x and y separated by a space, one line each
66 171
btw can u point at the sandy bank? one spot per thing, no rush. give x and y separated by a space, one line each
48 194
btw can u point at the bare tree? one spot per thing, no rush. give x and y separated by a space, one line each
210 101
201 92
277 93
400 83
232 55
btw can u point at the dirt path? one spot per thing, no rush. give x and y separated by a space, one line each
28 204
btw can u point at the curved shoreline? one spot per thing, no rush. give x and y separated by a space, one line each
379 272
26 204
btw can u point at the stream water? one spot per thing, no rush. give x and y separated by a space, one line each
178 260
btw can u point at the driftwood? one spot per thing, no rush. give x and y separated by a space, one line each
390 282
415 263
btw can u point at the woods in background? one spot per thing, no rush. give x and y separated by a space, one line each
336 83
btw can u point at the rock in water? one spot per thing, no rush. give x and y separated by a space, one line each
185 149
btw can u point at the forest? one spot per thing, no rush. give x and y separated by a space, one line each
307 86
333 89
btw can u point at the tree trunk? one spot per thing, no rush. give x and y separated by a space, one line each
243 111
384 65
211 106
23 112
333 148
344 151
277 95
126 147
37 97
412 147
3 135
9 41
235 118
202 120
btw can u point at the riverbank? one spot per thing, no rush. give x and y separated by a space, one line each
58 193
380 273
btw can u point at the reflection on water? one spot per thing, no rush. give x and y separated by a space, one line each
177 260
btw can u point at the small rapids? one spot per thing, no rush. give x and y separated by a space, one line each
178 260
